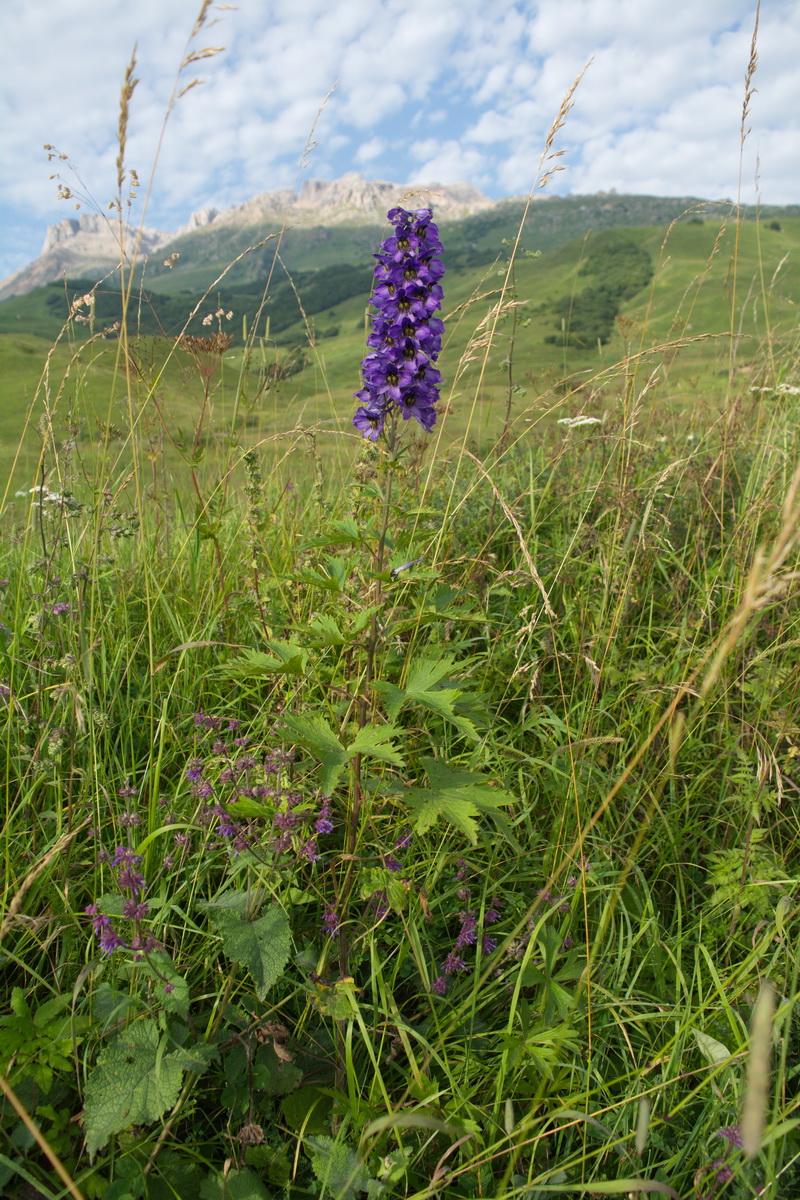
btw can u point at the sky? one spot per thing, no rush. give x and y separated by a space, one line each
425 91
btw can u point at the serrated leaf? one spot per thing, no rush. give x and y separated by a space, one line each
284 658
375 741
195 1058
360 620
337 1167
456 797
312 732
423 687
317 736
261 945
430 807
130 1085
325 631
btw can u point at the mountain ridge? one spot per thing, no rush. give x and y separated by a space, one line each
89 244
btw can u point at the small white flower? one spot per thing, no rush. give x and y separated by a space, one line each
574 422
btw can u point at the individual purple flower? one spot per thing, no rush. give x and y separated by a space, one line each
309 850
61 608
194 770
135 910
453 964
330 923
439 986
323 823
732 1134
131 879
469 930
488 944
109 940
392 863
398 373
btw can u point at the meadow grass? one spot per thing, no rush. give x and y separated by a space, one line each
476 877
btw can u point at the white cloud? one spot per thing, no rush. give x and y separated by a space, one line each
459 89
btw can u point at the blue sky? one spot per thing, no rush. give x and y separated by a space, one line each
426 91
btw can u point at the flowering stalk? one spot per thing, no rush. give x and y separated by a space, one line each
399 377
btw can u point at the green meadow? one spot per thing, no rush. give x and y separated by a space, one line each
413 821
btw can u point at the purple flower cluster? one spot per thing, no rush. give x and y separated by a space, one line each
134 908
224 771
398 372
468 935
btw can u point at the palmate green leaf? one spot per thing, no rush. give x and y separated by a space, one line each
316 735
132 1084
429 807
261 945
375 741
422 687
457 797
325 631
284 658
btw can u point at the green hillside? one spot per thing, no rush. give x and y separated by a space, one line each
581 307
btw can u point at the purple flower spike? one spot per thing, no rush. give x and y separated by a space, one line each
398 372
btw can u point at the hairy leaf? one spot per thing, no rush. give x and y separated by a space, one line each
132 1084
261 945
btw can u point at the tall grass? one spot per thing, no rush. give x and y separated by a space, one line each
475 878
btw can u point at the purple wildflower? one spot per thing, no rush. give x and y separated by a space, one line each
109 940
453 964
194 770
61 608
469 930
132 879
309 850
323 823
135 910
398 372
488 944
404 841
392 863
732 1134
493 913
330 923
439 986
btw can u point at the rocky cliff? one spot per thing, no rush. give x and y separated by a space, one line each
88 246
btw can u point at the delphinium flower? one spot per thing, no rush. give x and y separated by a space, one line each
398 373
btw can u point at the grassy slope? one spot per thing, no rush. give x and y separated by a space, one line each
691 292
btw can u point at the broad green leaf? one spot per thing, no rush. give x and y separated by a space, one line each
423 687
237 1185
245 807
429 807
457 797
272 1075
260 945
317 736
195 1058
375 741
312 732
284 658
132 1084
712 1051
325 631
337 1167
